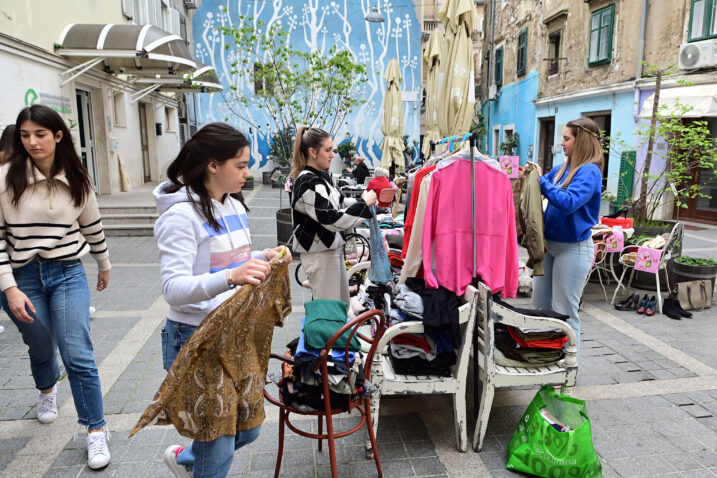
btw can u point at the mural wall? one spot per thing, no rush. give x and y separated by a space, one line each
318 25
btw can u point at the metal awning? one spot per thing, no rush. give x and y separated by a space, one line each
702 99
202 80
124 49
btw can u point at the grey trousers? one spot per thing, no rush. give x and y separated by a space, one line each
327 274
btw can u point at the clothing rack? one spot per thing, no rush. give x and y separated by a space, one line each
473 138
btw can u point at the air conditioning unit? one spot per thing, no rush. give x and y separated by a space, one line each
492 92
699 54
190 4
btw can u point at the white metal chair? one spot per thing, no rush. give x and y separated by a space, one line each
492 375
392 383
600 255
675 237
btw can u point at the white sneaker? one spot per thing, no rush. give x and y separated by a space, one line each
92 310
2 329
170 459
98 455
47 406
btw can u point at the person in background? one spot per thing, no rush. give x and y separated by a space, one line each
50 219
360 171
379 182
573 192
6 140
205 252
321 214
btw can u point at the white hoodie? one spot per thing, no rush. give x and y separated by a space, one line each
193 256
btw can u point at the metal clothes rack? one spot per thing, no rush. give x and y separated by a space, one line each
473 138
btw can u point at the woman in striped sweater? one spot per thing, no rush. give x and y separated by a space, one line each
49 219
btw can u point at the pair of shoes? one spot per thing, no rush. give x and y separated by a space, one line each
647 305
47 406
673 309
98 455
170 459
630 303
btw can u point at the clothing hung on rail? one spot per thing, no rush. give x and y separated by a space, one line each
448 228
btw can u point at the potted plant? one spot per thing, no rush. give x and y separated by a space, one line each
688 268
346 150
606 202
248 184
507 147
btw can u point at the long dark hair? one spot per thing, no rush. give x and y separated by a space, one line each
6 142
66 159
214 142
306 137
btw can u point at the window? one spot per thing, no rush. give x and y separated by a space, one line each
703 20
523 52
601 24
170 115
554 53
496 141
263 79
119 105
498 77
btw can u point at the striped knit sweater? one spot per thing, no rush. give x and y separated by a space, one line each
46 223
321 213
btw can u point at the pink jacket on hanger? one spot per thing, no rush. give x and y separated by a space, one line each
447 232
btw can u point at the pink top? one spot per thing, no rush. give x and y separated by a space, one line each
447 231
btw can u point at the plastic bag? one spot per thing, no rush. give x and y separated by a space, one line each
380 271
538 448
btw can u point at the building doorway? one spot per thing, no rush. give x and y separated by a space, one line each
702 209
604 121
147 173
547 140
87 135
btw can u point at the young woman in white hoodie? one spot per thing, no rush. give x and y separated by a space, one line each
205 251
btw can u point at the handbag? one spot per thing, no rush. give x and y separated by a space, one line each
695 295
553 438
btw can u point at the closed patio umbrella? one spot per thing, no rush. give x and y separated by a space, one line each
392 127
432 57
456 77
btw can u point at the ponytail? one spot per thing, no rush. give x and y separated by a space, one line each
306 137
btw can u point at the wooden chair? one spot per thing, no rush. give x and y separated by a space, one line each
392 383
675 237
492 375
374 319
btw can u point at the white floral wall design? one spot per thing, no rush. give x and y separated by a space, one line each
318 25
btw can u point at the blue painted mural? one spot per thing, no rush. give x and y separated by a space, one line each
317 25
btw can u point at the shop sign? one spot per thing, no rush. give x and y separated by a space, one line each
61 104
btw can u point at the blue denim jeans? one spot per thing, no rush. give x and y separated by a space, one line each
566 266
59 292
207 459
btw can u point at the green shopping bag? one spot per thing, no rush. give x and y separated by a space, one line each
537 447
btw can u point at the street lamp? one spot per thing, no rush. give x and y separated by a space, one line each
375 16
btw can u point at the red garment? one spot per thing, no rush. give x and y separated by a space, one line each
411 216
447 238
377 185
414 340
556 343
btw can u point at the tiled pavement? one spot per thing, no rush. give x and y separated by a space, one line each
650 386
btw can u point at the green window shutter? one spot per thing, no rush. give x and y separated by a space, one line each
601 30
703 20
499 67
626 178
522 52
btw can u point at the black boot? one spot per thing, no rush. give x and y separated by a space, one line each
682 311
670 309
622 212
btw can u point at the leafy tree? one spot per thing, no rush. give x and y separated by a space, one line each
688 147
281 146
347 151
508 147
292 87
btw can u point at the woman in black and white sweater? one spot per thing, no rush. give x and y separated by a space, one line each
321 214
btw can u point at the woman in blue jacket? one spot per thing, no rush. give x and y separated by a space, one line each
573 190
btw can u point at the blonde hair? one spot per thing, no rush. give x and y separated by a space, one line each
380 172
306 137
587 149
